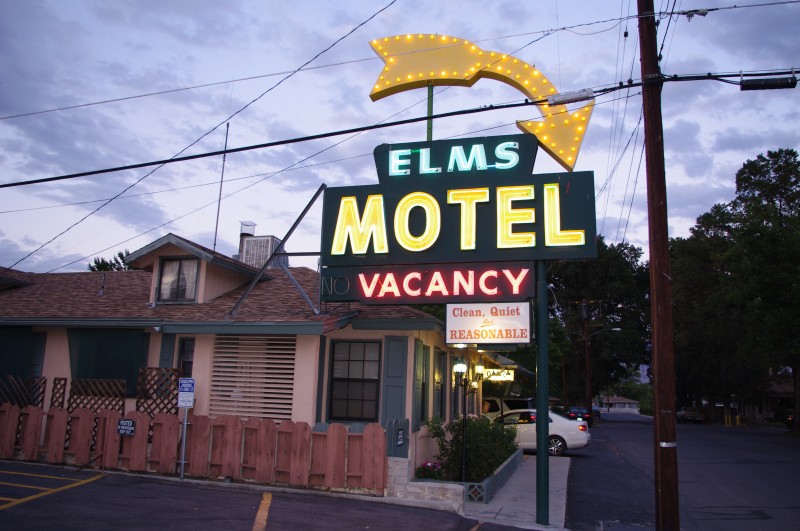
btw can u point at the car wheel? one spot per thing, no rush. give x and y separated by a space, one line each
556 445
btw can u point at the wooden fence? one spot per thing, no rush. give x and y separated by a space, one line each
329 457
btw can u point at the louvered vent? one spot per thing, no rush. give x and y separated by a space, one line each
256 250
252 376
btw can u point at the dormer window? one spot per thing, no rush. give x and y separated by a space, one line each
178 281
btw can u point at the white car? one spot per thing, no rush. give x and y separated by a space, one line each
564 434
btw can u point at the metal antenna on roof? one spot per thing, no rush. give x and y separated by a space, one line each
221 178
275 252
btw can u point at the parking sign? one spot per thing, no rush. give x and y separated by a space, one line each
186 392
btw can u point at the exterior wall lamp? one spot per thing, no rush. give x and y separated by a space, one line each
460 371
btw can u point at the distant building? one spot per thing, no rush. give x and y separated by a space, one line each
620 404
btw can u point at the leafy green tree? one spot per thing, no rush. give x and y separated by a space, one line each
116 263
594 298
767 260
735 288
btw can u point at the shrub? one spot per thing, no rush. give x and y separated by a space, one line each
489 444
429 470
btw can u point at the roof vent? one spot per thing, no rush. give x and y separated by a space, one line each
256 249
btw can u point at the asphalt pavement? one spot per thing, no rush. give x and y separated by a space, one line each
513 506
515 503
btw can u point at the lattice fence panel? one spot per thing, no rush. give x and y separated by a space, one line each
59 394
20 392
157 391
96 394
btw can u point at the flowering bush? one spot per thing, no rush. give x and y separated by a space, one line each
429 470
488 445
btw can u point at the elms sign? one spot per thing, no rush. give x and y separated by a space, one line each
453 221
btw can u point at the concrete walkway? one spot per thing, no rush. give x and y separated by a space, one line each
515 503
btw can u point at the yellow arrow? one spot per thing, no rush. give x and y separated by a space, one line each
418 60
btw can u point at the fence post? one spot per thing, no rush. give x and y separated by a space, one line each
258 449
335 453
375 458
166 437
55 435
226 446
31 432
81 431
9 420
199 439
108 438
283 451
301 455
134 447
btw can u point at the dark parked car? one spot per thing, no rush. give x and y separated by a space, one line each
690 414
576 413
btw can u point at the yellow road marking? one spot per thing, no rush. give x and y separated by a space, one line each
23 486
263 511
52 491
2 472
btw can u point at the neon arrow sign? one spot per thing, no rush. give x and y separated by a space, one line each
418 60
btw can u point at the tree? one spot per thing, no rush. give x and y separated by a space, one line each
707 318
593 297
116 263
767 259
735 288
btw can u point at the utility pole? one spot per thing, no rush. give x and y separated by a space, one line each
586 358
664 432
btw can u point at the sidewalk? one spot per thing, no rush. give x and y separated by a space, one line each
515 503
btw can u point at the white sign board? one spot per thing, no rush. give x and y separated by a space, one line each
186 392
498 375
505 322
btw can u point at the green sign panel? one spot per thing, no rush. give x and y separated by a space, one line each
464 201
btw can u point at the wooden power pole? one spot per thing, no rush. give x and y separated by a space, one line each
663 363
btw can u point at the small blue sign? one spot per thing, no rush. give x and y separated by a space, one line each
186 385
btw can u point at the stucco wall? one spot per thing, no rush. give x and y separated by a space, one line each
56 359
304 398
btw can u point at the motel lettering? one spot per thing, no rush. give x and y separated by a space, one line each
445 220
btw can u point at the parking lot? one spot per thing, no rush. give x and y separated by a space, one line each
47 497
21 484
34 496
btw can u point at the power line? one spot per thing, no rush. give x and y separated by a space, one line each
276 143
269 176
526 103
226 120
615 22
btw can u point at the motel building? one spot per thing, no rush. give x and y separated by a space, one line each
454 222
281 355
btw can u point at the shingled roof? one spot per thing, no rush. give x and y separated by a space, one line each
120 299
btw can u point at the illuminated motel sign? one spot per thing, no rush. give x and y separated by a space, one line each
459 221
453 221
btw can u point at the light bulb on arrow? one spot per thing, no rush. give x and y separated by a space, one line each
418 60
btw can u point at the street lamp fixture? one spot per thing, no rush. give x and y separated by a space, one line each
769 83
460 371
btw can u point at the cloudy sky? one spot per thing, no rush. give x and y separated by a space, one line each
87 85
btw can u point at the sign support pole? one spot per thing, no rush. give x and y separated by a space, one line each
185 401
183 439
430 113
542 398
